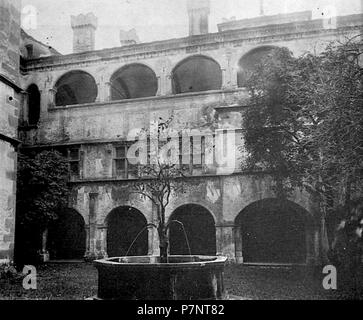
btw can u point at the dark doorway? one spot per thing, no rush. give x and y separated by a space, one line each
123 226
273 231
67 236
200 229
195 74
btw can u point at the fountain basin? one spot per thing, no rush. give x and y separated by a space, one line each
145 278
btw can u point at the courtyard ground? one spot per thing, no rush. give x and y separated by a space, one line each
78 281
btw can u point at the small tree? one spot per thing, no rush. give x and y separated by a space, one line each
42 191
158 179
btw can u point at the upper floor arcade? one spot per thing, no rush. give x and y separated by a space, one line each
214 61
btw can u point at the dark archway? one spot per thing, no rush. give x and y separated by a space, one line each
200 228
67 236
248 63
273 231
195 74
133 81
75 87
33 104
123 225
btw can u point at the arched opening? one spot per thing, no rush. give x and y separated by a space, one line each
200 228
75 87
195 74
248 63
67 236
272 231
33 104
133 81
123 226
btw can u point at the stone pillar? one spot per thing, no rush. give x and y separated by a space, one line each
102 241
168 89
229 72
238 244
225 240
162 69
107 91
51 98
153 242
92 222
161 80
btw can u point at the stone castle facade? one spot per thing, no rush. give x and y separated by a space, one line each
85 104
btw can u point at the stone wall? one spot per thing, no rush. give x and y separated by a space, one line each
9 113
10 38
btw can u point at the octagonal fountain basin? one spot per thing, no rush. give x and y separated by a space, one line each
145 278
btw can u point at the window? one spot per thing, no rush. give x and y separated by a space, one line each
122 166
33 105
74 161
192 153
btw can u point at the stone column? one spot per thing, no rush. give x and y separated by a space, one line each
238 244
160 80
224 78
102 247
230 71
51 98
92 222
168 90
225 240
103 89
153 242
107 92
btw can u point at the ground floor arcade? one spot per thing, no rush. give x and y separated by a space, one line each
265 231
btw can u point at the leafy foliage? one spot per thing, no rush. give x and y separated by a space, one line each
42 187
304 124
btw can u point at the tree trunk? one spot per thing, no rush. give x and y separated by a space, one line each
164 244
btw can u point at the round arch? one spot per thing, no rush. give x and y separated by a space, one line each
133 81
249 61
33 104
123 226
199 226
75 87
67 236
272 231
195 74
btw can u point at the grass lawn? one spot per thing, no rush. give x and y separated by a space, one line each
78 281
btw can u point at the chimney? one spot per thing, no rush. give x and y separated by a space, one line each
198 11
128 38
84 27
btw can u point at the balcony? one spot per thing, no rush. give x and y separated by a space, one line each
115 120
